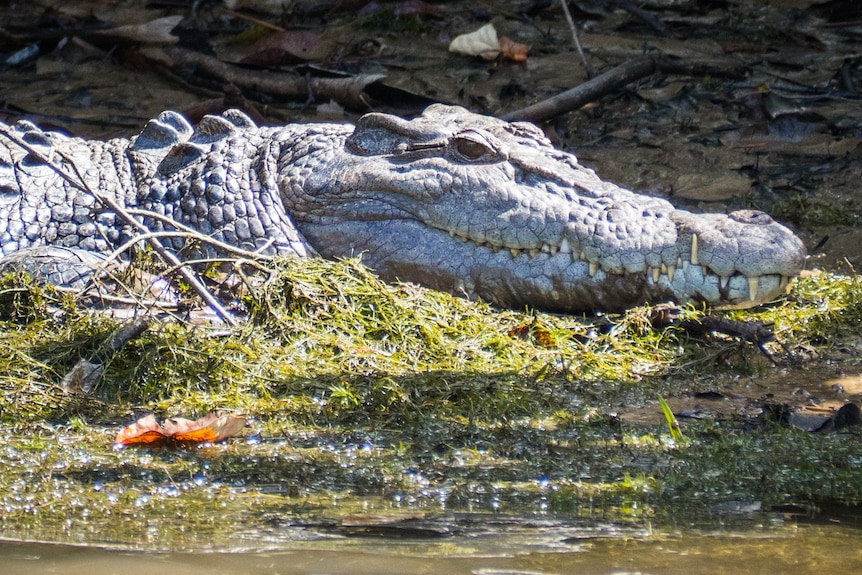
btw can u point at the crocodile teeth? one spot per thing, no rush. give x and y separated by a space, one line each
694 259
704 270
594 267
534 252
753 282
784 284
724 281
552 249
582 255
565 247
656 273
515 252
671 270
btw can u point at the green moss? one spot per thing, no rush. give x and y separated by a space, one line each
804 211
370 397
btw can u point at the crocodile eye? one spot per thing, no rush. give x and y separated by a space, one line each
475 146
470 149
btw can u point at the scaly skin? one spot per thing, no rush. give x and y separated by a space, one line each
451 200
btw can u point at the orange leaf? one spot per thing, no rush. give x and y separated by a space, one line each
182 429
520 332
513 50
227 426
145 432
535 333
211 428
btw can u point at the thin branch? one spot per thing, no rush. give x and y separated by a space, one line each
589 91
639 12
225 247
79 183
349 91
575 38
189 235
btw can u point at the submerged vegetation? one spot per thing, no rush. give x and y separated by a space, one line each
366 398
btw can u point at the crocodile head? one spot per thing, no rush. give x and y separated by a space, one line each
490 209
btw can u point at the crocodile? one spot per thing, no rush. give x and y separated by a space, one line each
451 200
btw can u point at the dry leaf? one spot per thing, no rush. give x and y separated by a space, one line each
512 50
534 332
288 47
154 32
146 432
82 377
483 42
210 428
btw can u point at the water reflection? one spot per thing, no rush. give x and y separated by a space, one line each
791 549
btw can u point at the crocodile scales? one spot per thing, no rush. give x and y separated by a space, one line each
451 200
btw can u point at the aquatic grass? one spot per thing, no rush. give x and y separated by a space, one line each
784 465
822 306
367 396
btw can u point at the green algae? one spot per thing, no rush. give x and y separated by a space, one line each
365 397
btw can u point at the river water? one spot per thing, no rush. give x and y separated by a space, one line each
774 546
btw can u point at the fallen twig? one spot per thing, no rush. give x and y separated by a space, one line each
639 12
349 92
591 90
227 248
192 236
84 374
78 182
613 80
575 38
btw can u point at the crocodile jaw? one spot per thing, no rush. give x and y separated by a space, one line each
524 225
559 281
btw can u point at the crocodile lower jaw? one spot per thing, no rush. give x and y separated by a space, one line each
663 275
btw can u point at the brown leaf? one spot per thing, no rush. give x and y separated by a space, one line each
154 32
82 377
188 430
533 332
288 47
520 332
146 432
512 50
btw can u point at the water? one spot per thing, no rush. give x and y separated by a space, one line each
771 547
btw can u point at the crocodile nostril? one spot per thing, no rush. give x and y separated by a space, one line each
754 217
